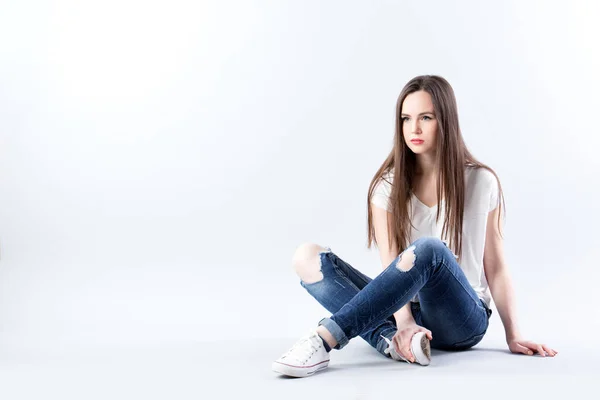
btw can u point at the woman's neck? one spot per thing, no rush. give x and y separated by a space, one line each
426 168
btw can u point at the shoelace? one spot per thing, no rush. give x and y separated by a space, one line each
304 348
392 352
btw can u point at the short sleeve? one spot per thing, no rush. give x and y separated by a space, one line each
494 193
382 193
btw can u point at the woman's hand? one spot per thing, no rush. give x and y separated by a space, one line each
519 346
403 336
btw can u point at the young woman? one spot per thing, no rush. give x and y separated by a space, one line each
434 213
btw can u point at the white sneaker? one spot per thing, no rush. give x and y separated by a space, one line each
305 358
419 346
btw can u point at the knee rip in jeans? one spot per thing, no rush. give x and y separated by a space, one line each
307 263
406 260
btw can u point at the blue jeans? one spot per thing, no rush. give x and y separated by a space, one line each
448 306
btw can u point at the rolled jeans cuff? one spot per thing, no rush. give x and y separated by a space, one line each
335 331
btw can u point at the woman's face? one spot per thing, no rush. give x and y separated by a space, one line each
419 123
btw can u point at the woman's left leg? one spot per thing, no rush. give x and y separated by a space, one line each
450 326
449 307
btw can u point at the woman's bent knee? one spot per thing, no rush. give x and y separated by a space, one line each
307 262
429 241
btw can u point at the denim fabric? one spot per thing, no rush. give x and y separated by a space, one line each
361 306
340 283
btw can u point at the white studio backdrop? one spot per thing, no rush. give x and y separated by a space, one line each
160 161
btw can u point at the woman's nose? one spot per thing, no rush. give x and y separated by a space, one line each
415 127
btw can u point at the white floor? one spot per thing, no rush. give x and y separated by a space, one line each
215 370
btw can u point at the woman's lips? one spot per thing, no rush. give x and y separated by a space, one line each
416 141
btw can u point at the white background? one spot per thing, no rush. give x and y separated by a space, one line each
160 161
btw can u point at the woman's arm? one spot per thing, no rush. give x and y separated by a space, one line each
499 280
387 254
405 322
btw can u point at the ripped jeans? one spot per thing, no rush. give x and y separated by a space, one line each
448 306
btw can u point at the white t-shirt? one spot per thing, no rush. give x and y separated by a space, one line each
481 197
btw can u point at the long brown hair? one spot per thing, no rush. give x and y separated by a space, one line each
452 157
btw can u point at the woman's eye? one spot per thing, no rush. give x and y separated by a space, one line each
404 119
426 118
